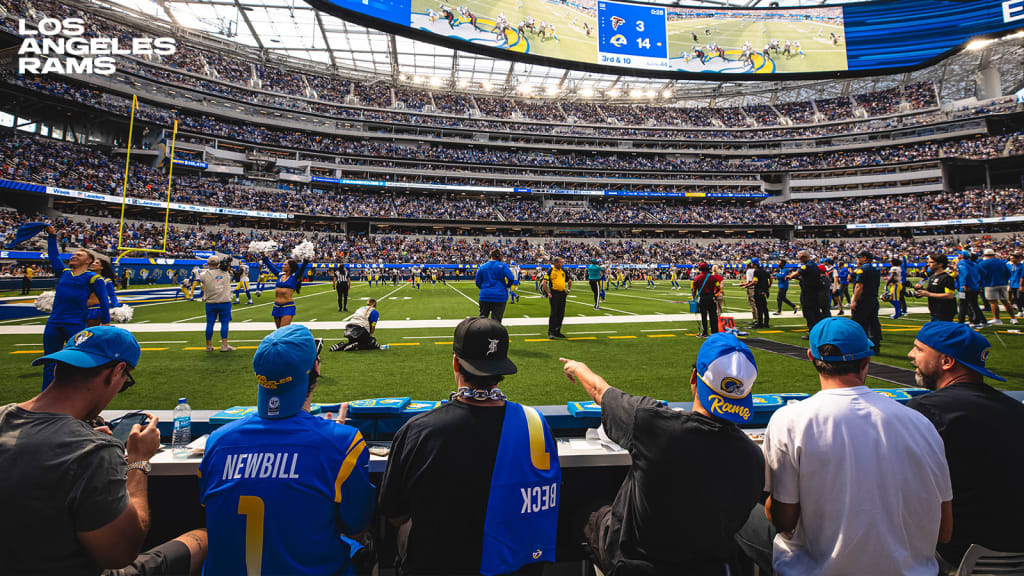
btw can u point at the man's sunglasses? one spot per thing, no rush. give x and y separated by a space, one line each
128 383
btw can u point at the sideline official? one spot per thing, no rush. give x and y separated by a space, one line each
811 288
494 278
216 281
556 286
341 285
864 306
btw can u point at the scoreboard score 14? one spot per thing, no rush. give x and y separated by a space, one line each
631 35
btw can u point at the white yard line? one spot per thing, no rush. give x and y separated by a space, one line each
463 294
265 327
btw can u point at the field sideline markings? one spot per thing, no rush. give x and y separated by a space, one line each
602 307
598 332
442 342
426 337
529 340
582 338
405 344
28 351
152 349
666 330
661 335
621 337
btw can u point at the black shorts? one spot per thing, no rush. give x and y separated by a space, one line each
168 559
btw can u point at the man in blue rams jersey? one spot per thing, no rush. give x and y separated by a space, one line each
479 477
281 486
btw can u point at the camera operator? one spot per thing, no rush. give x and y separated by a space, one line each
216 281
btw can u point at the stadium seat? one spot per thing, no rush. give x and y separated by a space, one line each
980 561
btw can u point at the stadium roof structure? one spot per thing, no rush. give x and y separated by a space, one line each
293 34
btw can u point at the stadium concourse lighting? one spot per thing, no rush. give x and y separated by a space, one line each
587 92
614 93
436 81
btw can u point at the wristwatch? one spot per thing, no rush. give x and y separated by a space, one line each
143 465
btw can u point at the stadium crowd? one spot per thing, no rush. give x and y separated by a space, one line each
66 165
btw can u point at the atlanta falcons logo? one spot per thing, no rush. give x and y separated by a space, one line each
616 22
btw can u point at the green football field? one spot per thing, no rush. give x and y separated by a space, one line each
626 342
821 54
572 43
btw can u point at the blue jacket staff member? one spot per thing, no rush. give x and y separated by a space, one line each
494 279
70 303
479 476
289 282
282 486
217 296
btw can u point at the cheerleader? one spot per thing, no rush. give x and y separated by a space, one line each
105 269
70 302
289 282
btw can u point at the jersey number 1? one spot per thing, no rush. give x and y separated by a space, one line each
252 508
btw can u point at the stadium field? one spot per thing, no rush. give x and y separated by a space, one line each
731 34
572 43
641 341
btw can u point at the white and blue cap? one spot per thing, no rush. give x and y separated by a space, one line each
845 334
726 371
282 364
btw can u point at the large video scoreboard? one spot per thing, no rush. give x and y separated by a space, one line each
659 40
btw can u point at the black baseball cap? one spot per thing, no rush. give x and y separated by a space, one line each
865 254
481 345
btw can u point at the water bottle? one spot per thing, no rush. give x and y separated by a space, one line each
385 346
182 429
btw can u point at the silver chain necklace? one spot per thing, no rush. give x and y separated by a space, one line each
474 394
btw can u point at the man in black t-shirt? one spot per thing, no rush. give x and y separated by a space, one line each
939 289
442 469
762 283
866 280
983 432
695 476
811 288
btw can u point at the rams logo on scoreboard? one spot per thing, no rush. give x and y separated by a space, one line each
618 41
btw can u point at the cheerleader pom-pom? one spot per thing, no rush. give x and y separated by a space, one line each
122 314
44 302
262 247
304 251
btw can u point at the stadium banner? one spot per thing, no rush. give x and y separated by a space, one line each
191 164
928 223
690 42
561 191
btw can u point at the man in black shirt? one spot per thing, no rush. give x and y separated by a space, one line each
695 476
939 289
449 471
762 283
983 432
810 288
864 306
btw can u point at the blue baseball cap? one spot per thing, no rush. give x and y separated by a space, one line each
755 261
282 364
97 346
961 343
845 334
726 371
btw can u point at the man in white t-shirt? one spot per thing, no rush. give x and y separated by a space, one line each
859 483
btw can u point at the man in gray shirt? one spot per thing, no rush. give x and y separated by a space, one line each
216 283
75 504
